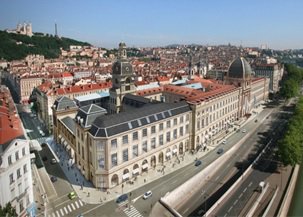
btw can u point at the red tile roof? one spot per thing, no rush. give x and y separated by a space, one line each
10 123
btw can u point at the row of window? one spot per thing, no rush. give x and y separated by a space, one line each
145 147
17 157
208 120
18 173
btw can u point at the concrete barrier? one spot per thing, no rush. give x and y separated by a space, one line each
289 193
256 204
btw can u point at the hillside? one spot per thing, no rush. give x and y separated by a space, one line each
15 46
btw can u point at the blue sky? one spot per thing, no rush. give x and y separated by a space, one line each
277 23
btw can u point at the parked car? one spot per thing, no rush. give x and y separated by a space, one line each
220 151
44 158
53 178
244 131
72 195
224 141
122 198
53 161
198 163
147 195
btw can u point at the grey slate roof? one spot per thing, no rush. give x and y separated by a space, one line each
70 124
135 101
63 103
106 126
89 113
239 68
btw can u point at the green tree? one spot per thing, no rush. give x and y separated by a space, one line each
8 211
290 88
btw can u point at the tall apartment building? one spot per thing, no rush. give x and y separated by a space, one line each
15 163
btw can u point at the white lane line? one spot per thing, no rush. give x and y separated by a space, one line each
175 182
69 209
236 201
185 210
244 189
53 214
65 210
77 205
80 202
73 206
58 214
225 215
240 195
250 184
61 211
134 200
217 178
230 208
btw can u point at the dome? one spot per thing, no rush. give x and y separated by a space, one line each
239 68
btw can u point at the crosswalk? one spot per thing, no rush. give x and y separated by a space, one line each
66 209
130 211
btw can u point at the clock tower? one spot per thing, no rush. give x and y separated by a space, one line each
122 80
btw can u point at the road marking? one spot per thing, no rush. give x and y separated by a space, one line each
58 214
76 202
236 201
134 200
53 214
217 178
61 211
69 209
250 184
80 202
65 210
66 201
132 211
88 211
244 189
240 195
73 206
230 208
185 210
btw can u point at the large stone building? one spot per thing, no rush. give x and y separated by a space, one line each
171 121
15 160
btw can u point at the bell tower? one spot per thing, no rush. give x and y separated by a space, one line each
122 80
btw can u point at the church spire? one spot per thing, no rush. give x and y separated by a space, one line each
122 51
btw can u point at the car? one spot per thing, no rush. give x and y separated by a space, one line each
53 161
244 131
72 195
198 163
53 178
220 151
147 195
224 141
122 198
44 158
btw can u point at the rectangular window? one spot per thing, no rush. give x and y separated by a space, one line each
18 173
186 129
114 160
13 193
153 129
144 146
125 139
181 119
114 144
168 124
161 140
161 126
83 156
187 117
25 168
144 132
175 133
153 143
125 155
17 155
181 131
23 151
168 137
20 188
175 122
11 178
135 136
198 123
9 160
101 161
135 151
100 145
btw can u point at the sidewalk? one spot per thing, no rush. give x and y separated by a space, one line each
91 195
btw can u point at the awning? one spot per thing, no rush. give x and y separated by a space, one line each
144 166
60 136
175 151
136 171
125 176
168 154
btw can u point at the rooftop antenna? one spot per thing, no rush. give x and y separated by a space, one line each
56 32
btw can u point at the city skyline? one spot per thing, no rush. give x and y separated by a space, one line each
275 24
